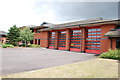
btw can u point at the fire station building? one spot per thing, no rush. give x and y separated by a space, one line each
86 36
3 37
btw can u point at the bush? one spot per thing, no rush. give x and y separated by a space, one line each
15 44
11 46
4 46
12 43
1 44
33 45
111 54
7 45
22 45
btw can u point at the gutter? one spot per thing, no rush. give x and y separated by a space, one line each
92 23
85 24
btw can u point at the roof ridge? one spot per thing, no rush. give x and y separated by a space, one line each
82 21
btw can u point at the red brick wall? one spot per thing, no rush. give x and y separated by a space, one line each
56 39
68 39
44 39
37 35
105 43
43 36
83 40
113 43
3 40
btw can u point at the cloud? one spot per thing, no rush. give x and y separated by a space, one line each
21 12
14 12
34 12
79 0
69 11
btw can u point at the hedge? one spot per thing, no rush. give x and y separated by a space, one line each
111 54
33 45
7 45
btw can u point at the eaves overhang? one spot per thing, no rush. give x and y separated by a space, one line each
90 24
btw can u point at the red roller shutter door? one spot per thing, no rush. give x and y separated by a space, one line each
93 40
51 40
62 40
75 40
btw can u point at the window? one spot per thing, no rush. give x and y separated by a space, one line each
75 39
93 37
98 29
38 41
62 39
118 43
51 38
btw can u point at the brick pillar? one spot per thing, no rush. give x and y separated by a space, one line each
83 36
47 39
34 30
37 41
44 39
68 40
105 41
56 40
114 43
33 41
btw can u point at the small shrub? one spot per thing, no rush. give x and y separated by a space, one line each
1 44
22 45
7 45
111 54
33 45
12 43
15 44
11 46
4 46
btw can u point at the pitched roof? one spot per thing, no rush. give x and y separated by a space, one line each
3 32
28 26
113 33
81 23
43 25
47 24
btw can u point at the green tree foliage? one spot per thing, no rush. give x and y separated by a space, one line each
13 35
26 35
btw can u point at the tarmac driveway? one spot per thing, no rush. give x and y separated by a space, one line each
16 60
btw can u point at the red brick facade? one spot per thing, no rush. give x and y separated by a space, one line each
3 40
69 43
105 43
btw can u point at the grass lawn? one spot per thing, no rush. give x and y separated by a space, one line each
0 77
96 68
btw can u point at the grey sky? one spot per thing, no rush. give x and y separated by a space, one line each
69 11
34 12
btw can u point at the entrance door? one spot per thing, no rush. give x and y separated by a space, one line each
62 40
38 41
51 40
93 40
118 43
75 40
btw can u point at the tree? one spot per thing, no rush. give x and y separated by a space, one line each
13 35
26 35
